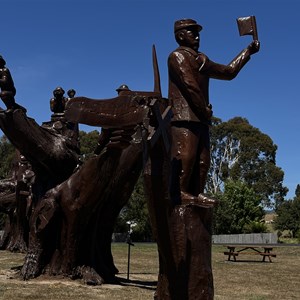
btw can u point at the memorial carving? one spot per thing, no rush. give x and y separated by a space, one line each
72 218
185 248
71 207
8 90
8 202
50 153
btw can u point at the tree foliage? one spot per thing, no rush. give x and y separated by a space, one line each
7 155
240 151
239 210
136 211
288 215
88 142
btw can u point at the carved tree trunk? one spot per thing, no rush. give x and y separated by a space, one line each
19 230
7 206
72 225
183 234
53 155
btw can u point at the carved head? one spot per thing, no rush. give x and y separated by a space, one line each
71 93
122 88
2 61
186 24
58 92
187 33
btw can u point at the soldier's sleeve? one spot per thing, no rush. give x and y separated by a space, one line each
226 72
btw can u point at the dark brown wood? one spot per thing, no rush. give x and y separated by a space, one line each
183 218
127 109
45 147
19 224
174 229
7 206
86 207
71 223
74 208
53 154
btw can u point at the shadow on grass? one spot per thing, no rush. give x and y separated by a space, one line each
148 285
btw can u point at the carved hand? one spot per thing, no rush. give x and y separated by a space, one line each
254 47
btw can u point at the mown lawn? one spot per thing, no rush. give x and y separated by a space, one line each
243 280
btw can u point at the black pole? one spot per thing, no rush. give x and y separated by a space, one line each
128 262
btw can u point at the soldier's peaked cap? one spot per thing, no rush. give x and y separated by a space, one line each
186 23
122 87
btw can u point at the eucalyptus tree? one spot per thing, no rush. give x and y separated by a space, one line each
240 151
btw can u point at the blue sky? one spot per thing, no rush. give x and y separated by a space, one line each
94 46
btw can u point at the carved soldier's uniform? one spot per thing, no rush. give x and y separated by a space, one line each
189 74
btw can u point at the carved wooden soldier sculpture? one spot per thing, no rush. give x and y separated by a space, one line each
189 74
52 150
122 88
186 273
58 102
8 90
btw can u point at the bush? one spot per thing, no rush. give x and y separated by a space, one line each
255 227
297 236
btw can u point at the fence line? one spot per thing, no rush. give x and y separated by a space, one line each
250 238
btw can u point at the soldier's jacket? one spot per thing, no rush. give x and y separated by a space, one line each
189 74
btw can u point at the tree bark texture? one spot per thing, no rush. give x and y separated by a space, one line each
52 154
7 206
71 228
71 223
52 151
183 234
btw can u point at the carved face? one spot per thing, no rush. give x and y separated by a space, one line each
190 38
58 92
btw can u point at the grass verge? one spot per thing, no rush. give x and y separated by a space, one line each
249 279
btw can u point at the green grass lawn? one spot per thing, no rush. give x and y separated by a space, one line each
243 280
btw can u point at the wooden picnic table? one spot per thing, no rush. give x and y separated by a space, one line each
262 250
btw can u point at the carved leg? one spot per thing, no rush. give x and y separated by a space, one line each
42 228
